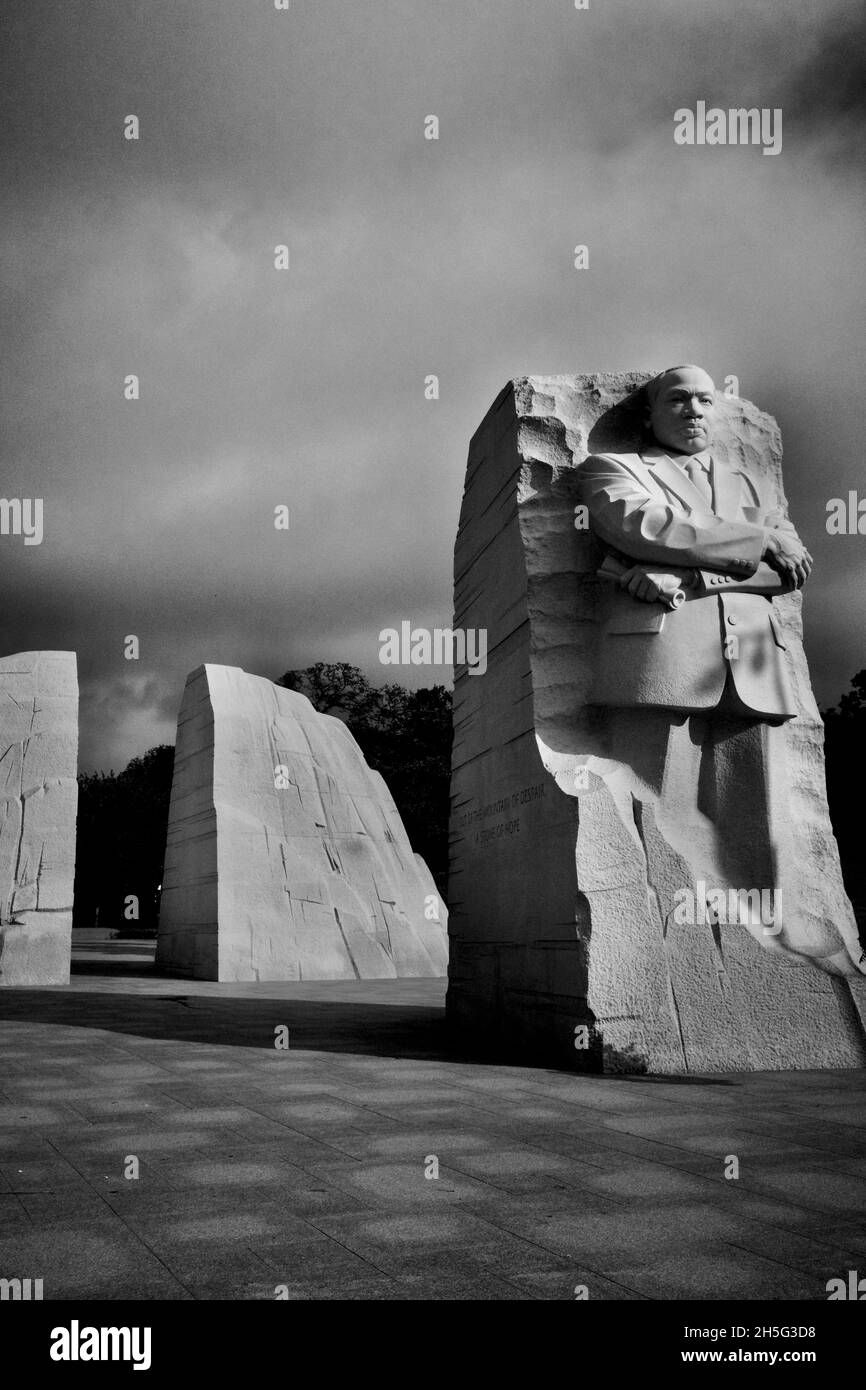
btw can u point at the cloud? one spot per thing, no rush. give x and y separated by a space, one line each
122 717
408 257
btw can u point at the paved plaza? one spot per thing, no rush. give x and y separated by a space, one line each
302 1169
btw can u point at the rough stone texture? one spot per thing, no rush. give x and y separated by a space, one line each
311 880
38 805
562 878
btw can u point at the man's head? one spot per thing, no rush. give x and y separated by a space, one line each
681 406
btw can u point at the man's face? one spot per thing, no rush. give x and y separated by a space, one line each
684 410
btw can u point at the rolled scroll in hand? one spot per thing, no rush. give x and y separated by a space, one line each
672 597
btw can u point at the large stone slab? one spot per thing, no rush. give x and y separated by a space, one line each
564 873
286 857
38 806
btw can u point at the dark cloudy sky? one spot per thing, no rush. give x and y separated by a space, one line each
408 257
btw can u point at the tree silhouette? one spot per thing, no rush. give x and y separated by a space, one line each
845 761
120 843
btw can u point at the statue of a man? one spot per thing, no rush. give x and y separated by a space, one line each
690 668
679 523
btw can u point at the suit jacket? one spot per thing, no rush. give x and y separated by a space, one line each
643 507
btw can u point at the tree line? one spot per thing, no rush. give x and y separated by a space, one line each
406 736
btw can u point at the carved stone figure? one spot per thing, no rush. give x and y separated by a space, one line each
681 518
643 871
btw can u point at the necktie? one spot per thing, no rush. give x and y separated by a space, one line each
697 469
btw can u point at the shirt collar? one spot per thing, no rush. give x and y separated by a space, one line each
655 452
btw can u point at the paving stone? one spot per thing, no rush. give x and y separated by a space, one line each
606 1239
715 1270
13 1214
555 1284
399 1184
319 1262
79 1263
79 1208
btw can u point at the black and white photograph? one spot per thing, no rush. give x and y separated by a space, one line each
433 669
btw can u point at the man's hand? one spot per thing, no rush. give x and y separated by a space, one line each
786 553
653 586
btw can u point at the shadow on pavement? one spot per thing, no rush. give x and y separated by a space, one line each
380 1028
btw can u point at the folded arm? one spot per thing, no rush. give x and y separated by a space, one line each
652 532
766 580
655 585
630 520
